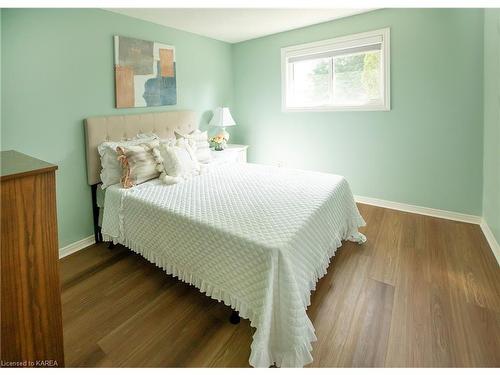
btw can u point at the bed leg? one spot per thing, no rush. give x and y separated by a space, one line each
95 214
234 318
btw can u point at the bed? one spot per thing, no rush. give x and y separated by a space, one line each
255 237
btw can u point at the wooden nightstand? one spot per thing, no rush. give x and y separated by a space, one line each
232 153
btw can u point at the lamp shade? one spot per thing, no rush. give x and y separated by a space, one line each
222 117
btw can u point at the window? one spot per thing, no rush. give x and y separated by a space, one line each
343 74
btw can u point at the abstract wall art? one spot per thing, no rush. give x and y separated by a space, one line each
144 73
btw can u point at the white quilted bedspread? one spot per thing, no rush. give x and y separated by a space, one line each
256 237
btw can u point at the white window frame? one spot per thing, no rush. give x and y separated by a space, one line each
333 44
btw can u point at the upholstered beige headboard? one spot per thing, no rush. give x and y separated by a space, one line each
116 128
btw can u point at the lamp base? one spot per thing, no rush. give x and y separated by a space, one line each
224 133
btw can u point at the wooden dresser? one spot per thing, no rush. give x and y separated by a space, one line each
31 321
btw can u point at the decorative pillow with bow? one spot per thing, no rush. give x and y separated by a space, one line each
139 163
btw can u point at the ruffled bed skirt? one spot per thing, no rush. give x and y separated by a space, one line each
298 356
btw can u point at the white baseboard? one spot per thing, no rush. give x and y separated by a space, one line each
495 247
450 215
76 246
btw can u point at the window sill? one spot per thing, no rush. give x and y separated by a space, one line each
366 108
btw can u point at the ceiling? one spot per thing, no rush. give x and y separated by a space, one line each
236 25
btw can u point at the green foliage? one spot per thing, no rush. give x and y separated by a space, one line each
371 74
319 78
356 78
349 63
322 67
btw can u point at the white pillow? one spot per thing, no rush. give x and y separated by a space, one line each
179 162
111 172
201 145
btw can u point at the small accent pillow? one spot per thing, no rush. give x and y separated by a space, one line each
111 170
139 163
200 141
179 162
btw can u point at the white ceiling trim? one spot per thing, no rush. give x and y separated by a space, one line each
236 25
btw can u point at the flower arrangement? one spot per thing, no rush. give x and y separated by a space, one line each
219 142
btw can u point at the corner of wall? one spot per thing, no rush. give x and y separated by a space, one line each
491 127
1 148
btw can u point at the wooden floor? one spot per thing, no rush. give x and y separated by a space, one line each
420 292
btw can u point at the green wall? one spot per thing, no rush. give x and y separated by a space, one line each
491 187
426 151
57 69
